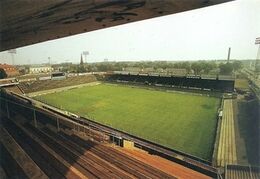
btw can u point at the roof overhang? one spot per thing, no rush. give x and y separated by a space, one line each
32 21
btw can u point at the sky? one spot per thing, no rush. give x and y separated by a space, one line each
201 34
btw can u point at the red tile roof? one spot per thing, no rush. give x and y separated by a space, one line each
4 66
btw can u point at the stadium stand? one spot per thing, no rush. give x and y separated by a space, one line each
60 154
58 76
40 85
68 126
193 82
15 89
242 172
8 82
227 153
11 84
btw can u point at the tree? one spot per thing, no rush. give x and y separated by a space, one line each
22 71
2 73
208 66
196 67
257 66
237 65
226 69
187 66
81 69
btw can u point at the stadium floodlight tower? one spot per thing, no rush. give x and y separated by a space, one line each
85 53
12 52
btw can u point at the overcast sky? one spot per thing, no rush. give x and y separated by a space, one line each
202 34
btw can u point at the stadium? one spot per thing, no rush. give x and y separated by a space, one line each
131 109
121 124
122 107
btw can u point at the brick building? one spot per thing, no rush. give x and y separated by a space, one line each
9 70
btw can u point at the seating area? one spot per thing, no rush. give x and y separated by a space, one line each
8 82
45 149
40 85
14 88
240 172
195 82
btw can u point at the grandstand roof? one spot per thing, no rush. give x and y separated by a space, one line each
28 22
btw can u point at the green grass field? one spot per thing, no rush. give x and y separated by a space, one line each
241 84
184 122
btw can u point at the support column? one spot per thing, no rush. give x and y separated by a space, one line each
78 125
7 109
34 117
84 128
58 124
113 140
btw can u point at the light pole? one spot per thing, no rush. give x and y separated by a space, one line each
85 53
257 61
12 52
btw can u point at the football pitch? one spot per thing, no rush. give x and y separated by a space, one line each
181 121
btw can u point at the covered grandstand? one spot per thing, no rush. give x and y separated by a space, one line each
192 82
41 85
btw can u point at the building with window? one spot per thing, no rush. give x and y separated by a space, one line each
10 70
40 69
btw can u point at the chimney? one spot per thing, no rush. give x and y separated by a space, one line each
229 51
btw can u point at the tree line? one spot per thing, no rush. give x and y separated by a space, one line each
197 67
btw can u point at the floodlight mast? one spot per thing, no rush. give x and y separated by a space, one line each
257 42
85 53
257 61
12 52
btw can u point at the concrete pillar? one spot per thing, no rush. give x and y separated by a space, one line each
7 109
58 124
34 117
